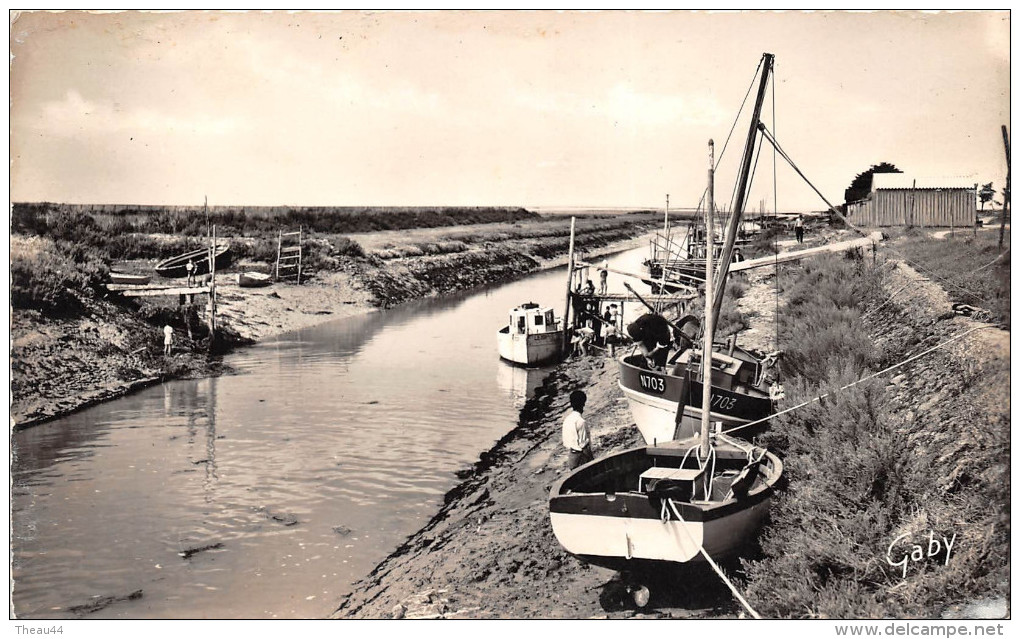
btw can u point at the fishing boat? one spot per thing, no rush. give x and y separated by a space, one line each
653 505
253 279
666 404
676 502
533 336
128 278
178 266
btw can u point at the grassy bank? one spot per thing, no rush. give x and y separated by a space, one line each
879 467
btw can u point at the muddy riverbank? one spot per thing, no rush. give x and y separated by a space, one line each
60 365
490 552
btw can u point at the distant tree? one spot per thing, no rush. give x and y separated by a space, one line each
986 194
861 185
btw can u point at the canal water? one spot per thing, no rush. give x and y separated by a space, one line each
297 475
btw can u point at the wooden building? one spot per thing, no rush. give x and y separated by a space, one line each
897 199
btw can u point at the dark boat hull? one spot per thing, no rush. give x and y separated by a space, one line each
654 398
178 266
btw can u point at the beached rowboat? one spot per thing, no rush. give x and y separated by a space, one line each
177 266
252 279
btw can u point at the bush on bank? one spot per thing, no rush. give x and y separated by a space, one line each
863 468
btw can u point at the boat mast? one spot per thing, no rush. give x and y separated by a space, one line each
706 350
745 168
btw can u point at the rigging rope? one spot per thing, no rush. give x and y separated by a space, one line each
863 379
711 562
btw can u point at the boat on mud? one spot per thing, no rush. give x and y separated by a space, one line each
253 279
178 266
128 278
667 404
653 505
533 336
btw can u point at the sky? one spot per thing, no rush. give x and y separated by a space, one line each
535 109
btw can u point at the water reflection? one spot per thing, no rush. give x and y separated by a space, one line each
311 464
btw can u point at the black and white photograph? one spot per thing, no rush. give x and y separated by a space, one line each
333 316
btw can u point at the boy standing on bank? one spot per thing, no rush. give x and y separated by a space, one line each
575 432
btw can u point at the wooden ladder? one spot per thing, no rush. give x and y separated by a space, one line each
288 257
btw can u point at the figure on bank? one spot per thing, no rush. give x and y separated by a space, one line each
168 339
575 432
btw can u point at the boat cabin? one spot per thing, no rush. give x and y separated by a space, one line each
530 319
729 371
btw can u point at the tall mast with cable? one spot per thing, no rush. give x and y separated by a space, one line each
738 206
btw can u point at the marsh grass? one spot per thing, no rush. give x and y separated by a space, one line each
859 472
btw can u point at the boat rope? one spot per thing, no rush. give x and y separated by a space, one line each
1001 255
711 562
891 297
863 379
900 254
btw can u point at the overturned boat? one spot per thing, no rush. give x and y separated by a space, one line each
533 336
178 266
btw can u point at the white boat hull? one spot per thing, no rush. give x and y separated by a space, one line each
653 539
529 350
655 417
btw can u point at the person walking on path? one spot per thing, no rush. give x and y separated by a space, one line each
798 228
168 339
575 432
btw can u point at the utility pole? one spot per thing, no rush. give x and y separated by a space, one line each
1005 199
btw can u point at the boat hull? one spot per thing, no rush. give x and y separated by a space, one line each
127 278
625 528
529 350
253 280
655 397
178 266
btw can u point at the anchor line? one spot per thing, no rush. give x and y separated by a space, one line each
708 558
863 379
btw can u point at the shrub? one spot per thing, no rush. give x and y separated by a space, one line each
57 280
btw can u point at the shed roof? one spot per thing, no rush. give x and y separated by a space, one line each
906 181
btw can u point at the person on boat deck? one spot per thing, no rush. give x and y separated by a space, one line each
589 288
168 339
798 228
738 256
653 336
575 432
191 272
604 279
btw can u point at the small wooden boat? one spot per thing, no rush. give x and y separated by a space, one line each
655 505
252 279
128 278
178 266
533 337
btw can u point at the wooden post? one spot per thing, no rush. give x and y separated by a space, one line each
279 251
1005 200
706 350
300 251
570 280
212 289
